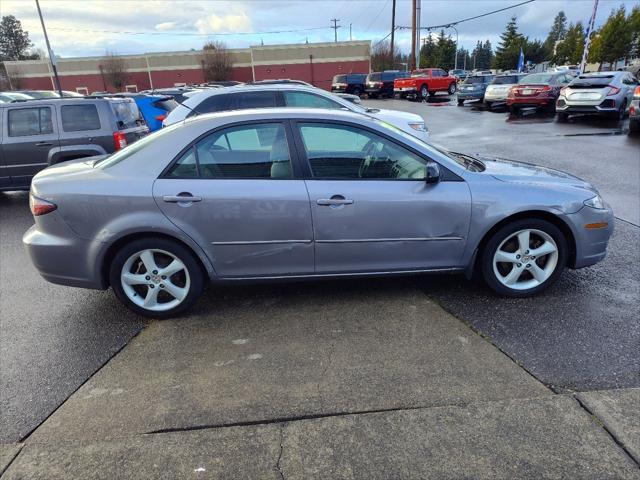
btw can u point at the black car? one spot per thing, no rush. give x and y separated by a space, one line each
380 84
35 134
352 83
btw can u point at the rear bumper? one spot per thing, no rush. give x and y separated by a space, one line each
568 107
405 90
591 244
339 89
530 102
470 95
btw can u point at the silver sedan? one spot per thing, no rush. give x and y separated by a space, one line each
300 193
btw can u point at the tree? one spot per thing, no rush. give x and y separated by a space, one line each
614 40
634 28
557 33
217 62
482 56
381 57
14 41
427 52
115 70
439 53
464 59
569 50
508 51
534 51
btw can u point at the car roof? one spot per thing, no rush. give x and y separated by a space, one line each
262 87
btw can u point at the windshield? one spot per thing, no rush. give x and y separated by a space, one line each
505 80
374 77
473 80
126 152
340 79
127 114
537 78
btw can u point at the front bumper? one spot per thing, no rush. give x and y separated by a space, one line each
591 243
471 95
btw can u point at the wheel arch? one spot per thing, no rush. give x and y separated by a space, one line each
111 251
528 214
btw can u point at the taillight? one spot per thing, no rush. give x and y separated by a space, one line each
512 92
40 207
160 117
614 90
563 90
632 110
120 140
546 88
636 92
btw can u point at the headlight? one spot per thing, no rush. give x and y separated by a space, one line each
419 126
595 202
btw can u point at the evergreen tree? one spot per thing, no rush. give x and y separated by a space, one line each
427 52
14 41
482 56
534 51
634 28
614 40
508 51
558 32
569 50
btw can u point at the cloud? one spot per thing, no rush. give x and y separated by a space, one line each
164 26
232 22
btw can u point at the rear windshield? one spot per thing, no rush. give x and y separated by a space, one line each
43 94
167 104
505 80
340 79
537 78
473 80
127 114
374 77
584 81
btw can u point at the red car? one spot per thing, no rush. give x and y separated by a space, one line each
539 90
425 83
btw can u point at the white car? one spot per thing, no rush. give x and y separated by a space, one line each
289 95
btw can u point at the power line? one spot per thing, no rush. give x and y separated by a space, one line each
186 34
376 17
335 28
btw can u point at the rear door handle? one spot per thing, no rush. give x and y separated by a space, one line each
43 144
335 200
181 198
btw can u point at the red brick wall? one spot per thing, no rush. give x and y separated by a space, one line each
318 74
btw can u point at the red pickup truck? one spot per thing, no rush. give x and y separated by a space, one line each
426 82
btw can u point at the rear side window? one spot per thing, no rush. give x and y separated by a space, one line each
127 114
308 100
214 103
76 118
265 99
506 80
30 121
245 152
167 104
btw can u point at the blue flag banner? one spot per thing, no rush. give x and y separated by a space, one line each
521 61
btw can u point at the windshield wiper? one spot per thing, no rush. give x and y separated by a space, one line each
469 160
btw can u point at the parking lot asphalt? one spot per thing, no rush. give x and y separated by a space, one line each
580 336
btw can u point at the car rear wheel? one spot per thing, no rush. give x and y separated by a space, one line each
156 278
357 92
524 258
563 117
424 92
513 110
634 127
460 102
452 88
623 110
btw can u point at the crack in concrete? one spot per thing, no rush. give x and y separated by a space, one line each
13 459
604 426
278 464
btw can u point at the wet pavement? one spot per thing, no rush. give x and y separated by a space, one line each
581 335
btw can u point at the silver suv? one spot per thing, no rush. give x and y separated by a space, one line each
37 133
601 93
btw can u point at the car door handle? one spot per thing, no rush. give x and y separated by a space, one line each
181 198
43 144
335 200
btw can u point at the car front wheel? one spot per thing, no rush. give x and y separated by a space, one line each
452 88
424 92
524 258
156 278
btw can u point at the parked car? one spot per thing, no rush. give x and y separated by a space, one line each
303 193
634 113
69 93
473 88
498 88
460 74
539 90
601 93
353 83
380 84
39 94
277 81
35 134
7 97
178 93
351 98
425 83
268 96
155 108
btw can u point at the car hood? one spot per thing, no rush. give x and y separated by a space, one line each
396 117
519 172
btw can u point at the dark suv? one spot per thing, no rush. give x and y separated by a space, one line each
37 133
352 83
380 84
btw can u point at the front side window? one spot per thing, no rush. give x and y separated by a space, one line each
309 100
346 152
265 99
247 151
30 121
77 118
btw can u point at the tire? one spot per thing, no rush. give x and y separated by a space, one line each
634 127
452 88
513 110
373 95
424 92
187 281
489 105
532 275
357 91
460 102
563 117
550 109
623 110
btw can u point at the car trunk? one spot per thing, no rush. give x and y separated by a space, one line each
129 121
589 89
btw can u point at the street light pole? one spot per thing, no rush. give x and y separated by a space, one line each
455 62
52 58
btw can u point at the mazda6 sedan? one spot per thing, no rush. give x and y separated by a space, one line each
303 193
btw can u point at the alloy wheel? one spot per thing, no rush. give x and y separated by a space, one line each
155 280
525 259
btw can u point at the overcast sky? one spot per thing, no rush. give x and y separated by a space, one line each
86 27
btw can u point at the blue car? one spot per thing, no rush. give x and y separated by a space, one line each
473 88
154 108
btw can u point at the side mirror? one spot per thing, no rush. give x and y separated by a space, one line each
433 173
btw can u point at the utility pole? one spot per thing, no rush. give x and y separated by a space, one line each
412 60
393 30
52 57
335 29
350 37
417 40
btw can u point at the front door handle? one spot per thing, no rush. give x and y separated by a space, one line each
44 144
181 198
335 200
